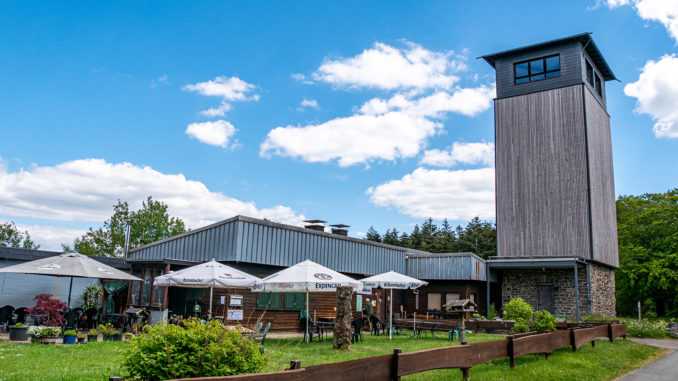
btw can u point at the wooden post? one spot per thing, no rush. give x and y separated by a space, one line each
341 339
547 355
115 378
394 368
294 364
609 332
166 289
574 348
511 351
593 342
465 373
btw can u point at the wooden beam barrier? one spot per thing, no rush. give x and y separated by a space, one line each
366 369
458 356
588 335
488 350
617 330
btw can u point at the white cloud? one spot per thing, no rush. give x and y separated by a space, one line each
663 11
51 237
301 78
390 68
352 140
160 80
312 103
229 89
656 91
460 153
441 193
382 129
215 133
86 190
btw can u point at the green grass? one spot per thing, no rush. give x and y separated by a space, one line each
98 361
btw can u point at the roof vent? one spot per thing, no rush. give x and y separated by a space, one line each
340 229
317 225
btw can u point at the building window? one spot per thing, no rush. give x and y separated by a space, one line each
599 86
449 297
146 287
269 301
136 289
295 301
434 299
589 73
158 291
534 70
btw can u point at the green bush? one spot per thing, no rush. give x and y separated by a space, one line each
168 351
517 309
521 326
493 312
653 329
70 332
544 322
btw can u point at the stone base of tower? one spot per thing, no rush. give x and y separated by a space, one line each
553 289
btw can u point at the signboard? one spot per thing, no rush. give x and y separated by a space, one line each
235 314
236 300
358 302
223 299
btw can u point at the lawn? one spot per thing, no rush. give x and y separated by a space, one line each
98 361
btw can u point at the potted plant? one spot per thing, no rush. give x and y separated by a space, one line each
81 337
45 335
93 336
117 336
18 332
70 336
127 336
108 331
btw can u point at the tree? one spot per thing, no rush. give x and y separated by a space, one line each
479 237
373 235
10 236
149 224
647 227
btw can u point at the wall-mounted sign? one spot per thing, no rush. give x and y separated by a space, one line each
235 314
236 300
222 300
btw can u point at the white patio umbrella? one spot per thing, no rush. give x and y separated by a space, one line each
306 276
70 265
209 274
392 280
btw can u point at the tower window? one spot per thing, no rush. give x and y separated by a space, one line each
589 73
534 70
599 86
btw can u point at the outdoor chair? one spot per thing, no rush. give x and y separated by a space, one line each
6 314
263 337
257 329
72 318
357 334
92 315
20 315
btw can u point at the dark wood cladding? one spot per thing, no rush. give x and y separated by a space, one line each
603 210
541 175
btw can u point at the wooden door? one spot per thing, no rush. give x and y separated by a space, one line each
545 297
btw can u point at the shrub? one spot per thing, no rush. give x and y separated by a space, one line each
654 329
544 322
517 309
45 305
479 317
521 326
168 351
493 312
70 332
18 325
90 297
106 330
41 331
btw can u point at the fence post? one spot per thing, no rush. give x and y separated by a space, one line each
609 332
574 348
115 378
394 368
465 373
294 364
547 355
509 341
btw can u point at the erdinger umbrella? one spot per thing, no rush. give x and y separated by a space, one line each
306 276
70 265
209 274
392 280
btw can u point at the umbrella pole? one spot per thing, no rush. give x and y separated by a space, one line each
70 289
390 319
307 313
209 315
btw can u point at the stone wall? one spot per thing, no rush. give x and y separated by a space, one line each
523 283
603 300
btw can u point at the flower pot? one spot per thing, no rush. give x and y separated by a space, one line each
92 338
108 337
45 340
81 339
117 337
18 333
70 339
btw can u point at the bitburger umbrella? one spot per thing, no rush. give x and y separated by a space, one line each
306 276
392 280
70 265
209 274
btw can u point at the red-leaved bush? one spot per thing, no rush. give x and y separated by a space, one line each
45 305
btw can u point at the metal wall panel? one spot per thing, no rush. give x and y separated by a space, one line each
446 267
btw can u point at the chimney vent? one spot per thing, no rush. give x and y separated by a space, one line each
340 229
317 225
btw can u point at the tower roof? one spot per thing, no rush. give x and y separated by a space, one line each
584 38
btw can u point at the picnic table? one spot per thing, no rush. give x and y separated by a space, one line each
242 330
422 325
323 328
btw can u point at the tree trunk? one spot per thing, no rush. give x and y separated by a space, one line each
342 324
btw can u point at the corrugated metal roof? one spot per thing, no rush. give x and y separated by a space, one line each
31 255
463 266
250 240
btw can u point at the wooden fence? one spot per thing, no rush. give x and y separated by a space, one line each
463 357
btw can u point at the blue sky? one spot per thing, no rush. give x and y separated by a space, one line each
201 104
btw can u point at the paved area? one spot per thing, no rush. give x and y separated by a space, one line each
663 369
